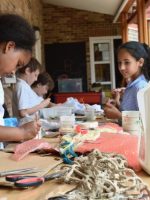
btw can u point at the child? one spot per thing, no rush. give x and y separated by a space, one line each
43 84
16 41
25 100
133 63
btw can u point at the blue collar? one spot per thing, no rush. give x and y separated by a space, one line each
139 78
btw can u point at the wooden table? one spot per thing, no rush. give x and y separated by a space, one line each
145 177
46 190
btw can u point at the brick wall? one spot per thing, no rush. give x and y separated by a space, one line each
63 24
30 9
69 25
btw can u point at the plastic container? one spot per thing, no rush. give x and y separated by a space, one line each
90 114
70 85
47 113
67 121
64 111
55 112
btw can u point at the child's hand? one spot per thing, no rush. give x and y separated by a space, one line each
111 111
45 103
30 129
117 94
118 91
111 101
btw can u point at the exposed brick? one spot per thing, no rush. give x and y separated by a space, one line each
60 24
63 24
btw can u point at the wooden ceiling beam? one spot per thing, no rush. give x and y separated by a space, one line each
128 5
126 8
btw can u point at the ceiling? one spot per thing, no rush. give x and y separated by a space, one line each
110 7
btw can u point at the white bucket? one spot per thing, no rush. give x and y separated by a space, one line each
131 122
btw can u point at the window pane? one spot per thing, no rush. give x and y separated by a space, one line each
101 52
97 53
102 72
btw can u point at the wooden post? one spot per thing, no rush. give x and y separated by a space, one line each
124 27
142 23
148 31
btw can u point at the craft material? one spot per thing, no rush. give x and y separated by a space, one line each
29 146
67 149
104 176
124 144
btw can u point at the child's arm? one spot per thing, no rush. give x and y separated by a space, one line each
24 132
45 103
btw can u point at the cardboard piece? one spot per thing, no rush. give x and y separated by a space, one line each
45 164
45 191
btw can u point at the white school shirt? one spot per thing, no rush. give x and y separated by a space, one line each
1 110
24 97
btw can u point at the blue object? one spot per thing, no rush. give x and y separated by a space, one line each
12 122
67 151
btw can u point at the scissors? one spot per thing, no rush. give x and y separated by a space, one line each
32 181
19 171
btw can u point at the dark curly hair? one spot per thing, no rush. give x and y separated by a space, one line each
15 28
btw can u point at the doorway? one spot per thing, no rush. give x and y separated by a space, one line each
66 60
118 76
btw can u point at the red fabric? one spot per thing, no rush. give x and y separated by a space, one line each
126 145
29 146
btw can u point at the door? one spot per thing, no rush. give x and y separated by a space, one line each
66 60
